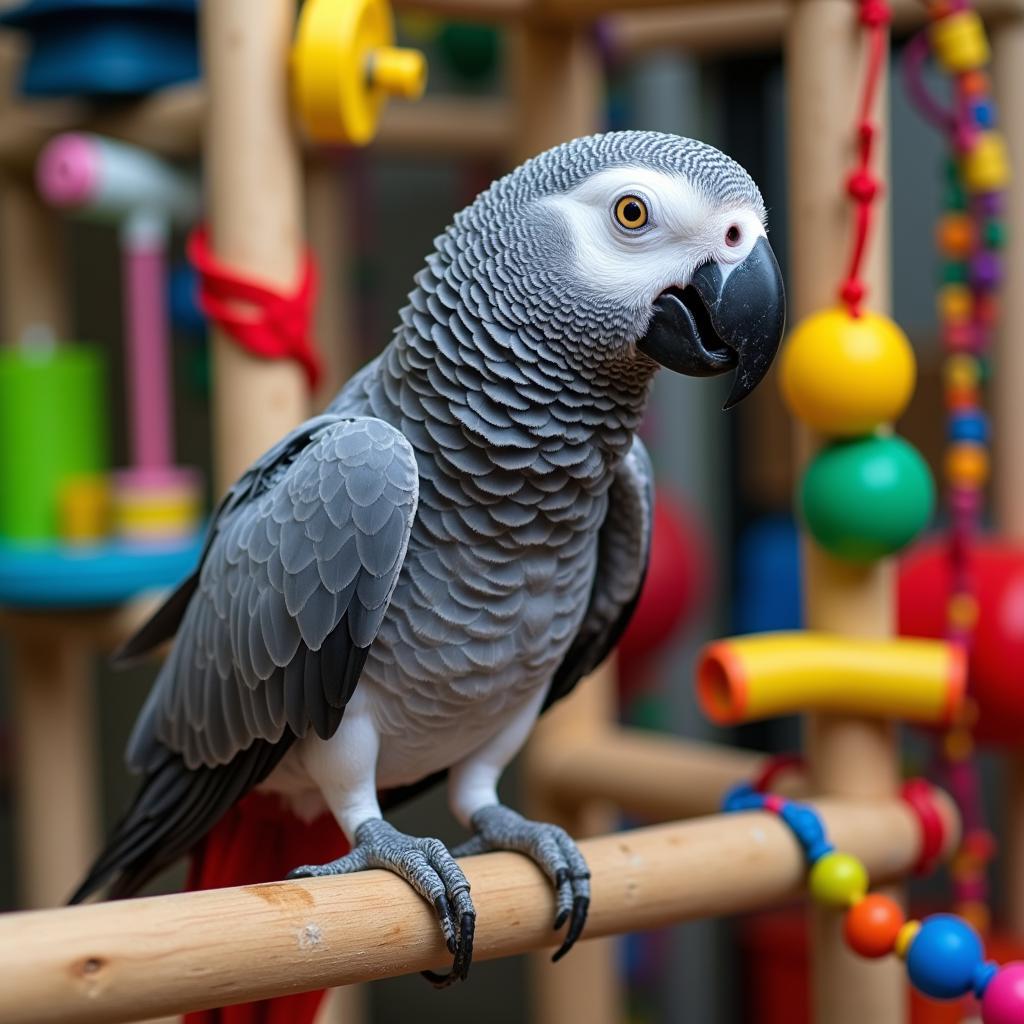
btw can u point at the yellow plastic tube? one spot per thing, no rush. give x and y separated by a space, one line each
765 674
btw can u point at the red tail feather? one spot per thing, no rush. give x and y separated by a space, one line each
261 840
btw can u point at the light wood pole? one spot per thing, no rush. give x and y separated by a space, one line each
254 207
557 89
848 756
1007 35
110 962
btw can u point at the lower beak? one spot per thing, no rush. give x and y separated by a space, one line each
722 321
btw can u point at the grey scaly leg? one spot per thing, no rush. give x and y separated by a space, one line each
551 848
430 869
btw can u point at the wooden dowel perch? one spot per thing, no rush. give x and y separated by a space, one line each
124 961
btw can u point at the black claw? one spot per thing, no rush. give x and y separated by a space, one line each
440 980
580 905
464 958
444 915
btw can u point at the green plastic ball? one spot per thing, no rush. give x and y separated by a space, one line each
864 499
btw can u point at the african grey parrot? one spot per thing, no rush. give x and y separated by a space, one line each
403 584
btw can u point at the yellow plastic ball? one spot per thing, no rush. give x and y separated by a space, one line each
845 375
838 880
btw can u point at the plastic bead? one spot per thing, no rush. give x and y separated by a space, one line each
969 425
963 613
955 302
1003 1001
955 235
959 42
983 114
864 499
962 371
958 337
985 270
845 375
975 83
967 464
986 167
994 234
944 956
838 880
906 936
955 272
871 926
808 829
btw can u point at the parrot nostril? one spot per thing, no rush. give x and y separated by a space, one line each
733 236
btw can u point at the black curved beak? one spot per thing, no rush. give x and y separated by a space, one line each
722 321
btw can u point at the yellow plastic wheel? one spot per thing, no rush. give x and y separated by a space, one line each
345 66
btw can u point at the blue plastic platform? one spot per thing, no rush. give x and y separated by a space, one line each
106 48
57 576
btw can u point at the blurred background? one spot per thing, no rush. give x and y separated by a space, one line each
726 479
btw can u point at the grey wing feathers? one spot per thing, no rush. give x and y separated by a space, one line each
624 549
293 588
273 632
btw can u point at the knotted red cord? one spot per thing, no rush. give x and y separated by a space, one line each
265 322
862 186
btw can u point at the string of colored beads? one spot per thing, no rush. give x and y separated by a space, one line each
847 373
969 236
944 955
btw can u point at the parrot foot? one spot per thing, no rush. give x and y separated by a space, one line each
430 869
551 848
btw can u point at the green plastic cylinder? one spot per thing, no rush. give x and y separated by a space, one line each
53 426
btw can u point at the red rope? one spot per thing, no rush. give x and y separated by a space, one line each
862 186
266 323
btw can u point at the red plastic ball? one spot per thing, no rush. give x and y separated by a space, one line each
675 583
871 926
997 569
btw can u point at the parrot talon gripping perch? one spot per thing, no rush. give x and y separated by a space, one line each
551 848
428 866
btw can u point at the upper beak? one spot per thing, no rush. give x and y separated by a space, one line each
722 320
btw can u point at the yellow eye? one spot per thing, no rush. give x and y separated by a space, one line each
631 212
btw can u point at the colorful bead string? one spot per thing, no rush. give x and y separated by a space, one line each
944 954
970 234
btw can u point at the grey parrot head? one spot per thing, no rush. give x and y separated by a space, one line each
627 250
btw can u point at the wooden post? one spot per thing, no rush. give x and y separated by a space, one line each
585 985
55 767
330 227
848 756
254 206
119 961
557 89
1008 477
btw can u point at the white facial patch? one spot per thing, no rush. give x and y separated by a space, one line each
684 229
